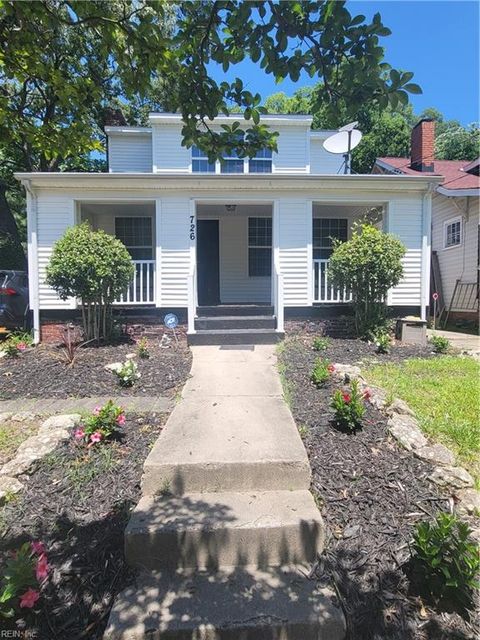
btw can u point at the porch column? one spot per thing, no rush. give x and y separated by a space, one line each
158 251
426 252
310 252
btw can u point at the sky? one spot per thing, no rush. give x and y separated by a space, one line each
436 39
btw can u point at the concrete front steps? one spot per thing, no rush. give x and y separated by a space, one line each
214 530
226 528
235 324
232 604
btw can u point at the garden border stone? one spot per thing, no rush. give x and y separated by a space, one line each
403 426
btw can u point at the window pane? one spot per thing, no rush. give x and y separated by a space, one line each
231 166
454 235
136 233
324 229
202 166
260 232
259 166
259 262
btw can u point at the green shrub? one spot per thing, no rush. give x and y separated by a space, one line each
16 343
23 572
103 423
440 344
321 371
367 265
348 407
94 267
142 348
320 344
446 560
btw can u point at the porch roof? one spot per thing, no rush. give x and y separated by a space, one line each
224 182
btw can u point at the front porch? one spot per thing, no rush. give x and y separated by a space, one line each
240 253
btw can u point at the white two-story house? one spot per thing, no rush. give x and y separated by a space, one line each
246 241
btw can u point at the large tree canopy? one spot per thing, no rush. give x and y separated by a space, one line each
62 62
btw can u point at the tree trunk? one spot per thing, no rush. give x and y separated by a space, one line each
8 227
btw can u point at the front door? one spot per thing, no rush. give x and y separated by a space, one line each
208 280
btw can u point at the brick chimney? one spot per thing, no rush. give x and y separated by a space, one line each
422 145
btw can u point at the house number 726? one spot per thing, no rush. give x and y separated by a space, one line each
192 227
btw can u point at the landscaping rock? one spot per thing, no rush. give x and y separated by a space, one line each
405 429
34 449
23 416
64 421
114 366
455 477
436 453
400 407
348 372
130 356
5 416
469 502
8 486
378 398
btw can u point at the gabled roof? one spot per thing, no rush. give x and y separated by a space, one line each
456 179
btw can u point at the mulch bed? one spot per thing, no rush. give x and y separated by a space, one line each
372 492
78 503
42 373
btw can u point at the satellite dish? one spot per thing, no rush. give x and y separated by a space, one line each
346 139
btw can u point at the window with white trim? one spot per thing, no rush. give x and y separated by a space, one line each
136 234
259 247
261 163
324 231
453 233
200 162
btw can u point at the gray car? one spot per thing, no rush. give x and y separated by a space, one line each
14 309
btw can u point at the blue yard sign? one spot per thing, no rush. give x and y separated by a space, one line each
171 321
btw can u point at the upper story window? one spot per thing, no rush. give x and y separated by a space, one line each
231 164
324 231
200 163
453 233
261 163
136 234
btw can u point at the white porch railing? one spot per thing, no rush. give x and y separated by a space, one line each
192 296
142 287
323 290
278 296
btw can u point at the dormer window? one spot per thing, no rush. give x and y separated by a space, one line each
200 163
261 163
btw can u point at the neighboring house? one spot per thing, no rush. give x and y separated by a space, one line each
455 219
238 232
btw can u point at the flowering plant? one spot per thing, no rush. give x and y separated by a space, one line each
16 343
349 407
25 570
127 373
103 423
321 371
143 351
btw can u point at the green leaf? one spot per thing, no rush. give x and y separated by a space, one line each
413 88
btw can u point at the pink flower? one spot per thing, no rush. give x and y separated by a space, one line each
38 548
29 598
42 568
346 397
21 346
331 368
95 437
121 420
79 433
96 411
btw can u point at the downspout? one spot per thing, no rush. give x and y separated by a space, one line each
33 258
426 250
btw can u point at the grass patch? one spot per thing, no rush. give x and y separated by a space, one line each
12 434
444 394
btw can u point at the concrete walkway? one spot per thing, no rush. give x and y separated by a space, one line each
461 341
50 406
226 519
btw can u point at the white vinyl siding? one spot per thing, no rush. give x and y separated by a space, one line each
405 222
457 262
130 153
295 232
293 150
175 252
322 161
54 216
168 154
